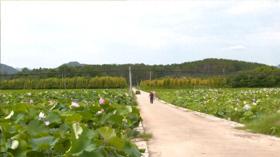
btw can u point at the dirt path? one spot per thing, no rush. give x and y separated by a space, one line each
179 133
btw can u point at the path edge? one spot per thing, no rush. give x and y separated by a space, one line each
140 143
233 124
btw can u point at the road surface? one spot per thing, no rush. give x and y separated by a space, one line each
180 133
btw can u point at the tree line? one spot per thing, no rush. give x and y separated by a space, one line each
184 82
259 77
64 83
208 72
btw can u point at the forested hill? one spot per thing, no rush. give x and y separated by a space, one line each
210 67
5 69
207 67
202 67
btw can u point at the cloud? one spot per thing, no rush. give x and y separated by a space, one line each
238 47
252 7
49 33
269 35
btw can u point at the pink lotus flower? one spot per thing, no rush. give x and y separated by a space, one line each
101 101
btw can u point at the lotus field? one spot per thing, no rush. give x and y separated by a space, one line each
99 123
259 109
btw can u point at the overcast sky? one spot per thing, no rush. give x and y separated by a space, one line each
47 34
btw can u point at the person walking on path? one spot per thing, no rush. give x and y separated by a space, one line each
152 96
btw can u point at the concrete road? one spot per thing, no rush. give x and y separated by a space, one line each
180 133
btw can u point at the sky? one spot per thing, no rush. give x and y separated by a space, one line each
50 33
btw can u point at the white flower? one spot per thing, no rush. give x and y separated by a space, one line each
254 103
47 123
235 109
30 101
29 94
99 112
247 107
14 144
78 130
10 115
42 116
75 104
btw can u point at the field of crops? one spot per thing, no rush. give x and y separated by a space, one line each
259 109
97 123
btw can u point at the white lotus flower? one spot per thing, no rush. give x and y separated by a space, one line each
247 107
78 130
14 144
10 115
100 112
75 104
47 123
42 116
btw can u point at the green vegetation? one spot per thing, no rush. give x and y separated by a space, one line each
68 123
67 83
259 77
255 107
187 82
145 136
269 124
203 68
208 72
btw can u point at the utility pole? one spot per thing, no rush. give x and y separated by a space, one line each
63 81
130 80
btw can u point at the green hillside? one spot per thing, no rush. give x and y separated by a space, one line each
202 68
5 69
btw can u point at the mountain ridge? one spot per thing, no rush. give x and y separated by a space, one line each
6 69
209 66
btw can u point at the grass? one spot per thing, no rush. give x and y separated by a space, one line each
269 124
145 136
